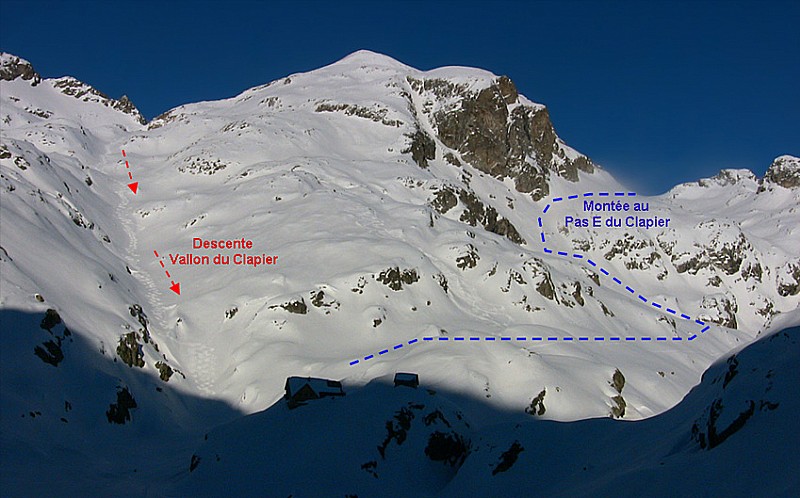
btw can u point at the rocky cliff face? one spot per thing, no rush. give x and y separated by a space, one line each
784 171
12 67
498 133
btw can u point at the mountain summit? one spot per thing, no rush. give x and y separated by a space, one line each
349 223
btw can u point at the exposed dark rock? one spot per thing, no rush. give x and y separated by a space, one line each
164 371
13 67
476 213
370 467
130 351
377 115
618 408
508 458
520 144
79 90
468 260
119 412
50 320
784 171
617 381
51 353
720 310
397 429
450 448
537 404
713 436
733 369
789 284
394 278
445 200
422 148
298 306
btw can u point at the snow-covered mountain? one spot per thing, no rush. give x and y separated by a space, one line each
384 219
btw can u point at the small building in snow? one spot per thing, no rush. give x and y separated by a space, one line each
302 389
406 379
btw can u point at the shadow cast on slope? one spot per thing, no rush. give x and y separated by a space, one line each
57 388
380 440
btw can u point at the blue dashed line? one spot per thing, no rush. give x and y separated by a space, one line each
566 338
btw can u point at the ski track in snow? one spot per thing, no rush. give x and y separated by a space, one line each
201 363
583 259
156 309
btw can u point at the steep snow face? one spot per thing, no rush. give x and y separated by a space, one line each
396 206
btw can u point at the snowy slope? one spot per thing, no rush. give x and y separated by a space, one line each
401 206
733 435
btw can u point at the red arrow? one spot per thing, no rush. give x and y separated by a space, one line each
134 186
176 288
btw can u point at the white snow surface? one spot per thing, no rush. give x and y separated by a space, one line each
331 193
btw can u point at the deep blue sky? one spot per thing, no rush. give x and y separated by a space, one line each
657 92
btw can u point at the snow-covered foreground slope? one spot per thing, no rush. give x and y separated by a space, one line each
412 222
733 435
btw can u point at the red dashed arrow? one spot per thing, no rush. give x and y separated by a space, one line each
134 186
176 286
